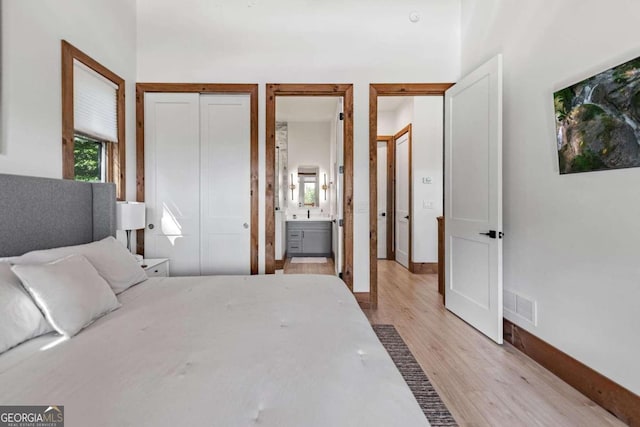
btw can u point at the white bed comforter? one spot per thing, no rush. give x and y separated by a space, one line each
219 351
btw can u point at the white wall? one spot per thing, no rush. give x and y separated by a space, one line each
404 114
387 123
31 140
573 241
309 145
426 162
288 41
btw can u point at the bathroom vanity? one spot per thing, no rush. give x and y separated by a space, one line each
309 237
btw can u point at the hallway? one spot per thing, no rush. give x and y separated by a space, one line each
482 383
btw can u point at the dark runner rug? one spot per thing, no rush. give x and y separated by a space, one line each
433 407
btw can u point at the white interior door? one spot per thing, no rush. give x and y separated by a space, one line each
340 190
225 132
473 195
382 200
402 219
172 180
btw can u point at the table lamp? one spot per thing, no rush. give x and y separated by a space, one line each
130 216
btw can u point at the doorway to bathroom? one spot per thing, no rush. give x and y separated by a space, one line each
309 180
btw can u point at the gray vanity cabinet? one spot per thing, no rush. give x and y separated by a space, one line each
309 238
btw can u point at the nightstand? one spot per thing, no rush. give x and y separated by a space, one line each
158 267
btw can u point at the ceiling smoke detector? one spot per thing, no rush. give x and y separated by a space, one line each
414 16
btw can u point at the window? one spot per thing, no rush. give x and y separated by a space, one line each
93 139
309 193
89 158
308 181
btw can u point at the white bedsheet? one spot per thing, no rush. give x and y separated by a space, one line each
218 351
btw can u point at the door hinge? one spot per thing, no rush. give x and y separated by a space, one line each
341 116
341 169
341 223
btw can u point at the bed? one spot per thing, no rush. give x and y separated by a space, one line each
219 350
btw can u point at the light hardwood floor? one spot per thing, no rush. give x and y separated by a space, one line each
482 383
309 268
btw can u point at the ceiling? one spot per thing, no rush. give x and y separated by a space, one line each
306 108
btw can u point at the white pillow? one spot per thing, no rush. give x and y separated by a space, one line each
70 292
110 257
20 318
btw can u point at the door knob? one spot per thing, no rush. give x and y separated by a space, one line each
383 214
245 225
151 226
406 217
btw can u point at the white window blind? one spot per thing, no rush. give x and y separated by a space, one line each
95 104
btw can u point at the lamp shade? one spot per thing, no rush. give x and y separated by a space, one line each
130 216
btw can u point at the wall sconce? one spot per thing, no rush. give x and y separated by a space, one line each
324 186
292 187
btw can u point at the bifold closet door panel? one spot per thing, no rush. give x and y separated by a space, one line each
172 180
225 166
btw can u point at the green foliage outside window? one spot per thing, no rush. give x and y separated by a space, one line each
88 159
310 193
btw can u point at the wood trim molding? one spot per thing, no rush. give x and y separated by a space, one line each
280 263
252 90
363 299
116 169
616 399
274 90
423 267
411 89
441 226
375 90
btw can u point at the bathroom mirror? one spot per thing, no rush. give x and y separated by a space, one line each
308 186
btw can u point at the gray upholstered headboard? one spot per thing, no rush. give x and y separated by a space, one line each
43 213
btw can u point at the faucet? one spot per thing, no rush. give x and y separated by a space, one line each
308 213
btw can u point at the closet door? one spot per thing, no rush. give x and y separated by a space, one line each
225 166
172 180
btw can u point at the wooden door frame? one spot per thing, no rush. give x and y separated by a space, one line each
391 170
404 131
339 90
375 90
203 88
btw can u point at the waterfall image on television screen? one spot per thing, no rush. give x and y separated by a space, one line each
598 121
